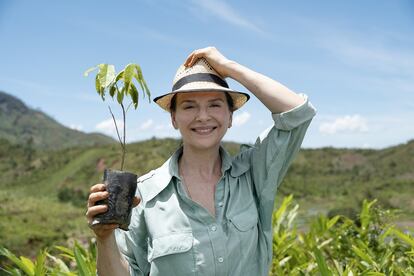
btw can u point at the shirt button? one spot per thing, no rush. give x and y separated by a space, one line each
220 204
213 228
220 259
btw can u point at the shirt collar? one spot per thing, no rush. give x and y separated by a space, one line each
161 177
226 161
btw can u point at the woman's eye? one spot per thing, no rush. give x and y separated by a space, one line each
215 105
188 107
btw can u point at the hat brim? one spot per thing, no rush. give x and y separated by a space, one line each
239 98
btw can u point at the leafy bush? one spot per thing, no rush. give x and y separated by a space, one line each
77 260
367 245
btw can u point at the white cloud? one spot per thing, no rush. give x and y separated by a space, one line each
347 124
241 119
76 127
147 124
225 12
108 126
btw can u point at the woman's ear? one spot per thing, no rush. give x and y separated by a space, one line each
173 122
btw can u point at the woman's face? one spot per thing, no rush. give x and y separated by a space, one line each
202 118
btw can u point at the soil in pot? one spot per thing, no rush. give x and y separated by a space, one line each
121 187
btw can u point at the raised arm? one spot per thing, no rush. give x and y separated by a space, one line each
275 96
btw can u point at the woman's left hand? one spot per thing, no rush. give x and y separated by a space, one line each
219 62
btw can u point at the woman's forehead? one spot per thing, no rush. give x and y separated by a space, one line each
194 96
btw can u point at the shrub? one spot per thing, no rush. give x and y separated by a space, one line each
368 245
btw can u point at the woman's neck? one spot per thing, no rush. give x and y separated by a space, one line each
200 163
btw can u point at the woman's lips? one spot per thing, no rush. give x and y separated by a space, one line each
204 130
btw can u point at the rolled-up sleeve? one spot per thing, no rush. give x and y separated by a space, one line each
271 156
133 244
275 148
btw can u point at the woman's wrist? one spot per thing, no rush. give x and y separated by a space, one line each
231 69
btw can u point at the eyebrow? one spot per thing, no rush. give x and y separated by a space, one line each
192 101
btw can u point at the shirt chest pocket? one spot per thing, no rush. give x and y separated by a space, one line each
243 213
246 219
172 255
244 227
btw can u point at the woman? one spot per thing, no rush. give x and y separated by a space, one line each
204 212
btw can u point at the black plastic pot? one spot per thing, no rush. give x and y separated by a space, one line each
121 187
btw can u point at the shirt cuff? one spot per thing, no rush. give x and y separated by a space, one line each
293 118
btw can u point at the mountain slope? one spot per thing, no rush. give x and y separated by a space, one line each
20 124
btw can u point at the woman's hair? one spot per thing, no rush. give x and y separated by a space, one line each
229 99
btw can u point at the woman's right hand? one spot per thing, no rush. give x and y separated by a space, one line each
98 192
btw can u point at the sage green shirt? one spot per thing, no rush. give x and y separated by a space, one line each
171 235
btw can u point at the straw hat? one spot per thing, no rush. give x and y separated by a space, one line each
201 77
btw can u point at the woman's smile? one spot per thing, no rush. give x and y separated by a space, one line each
204 130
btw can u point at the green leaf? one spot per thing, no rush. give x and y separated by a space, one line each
98 87
119 76
406 238
40 266
61 264
106 75
86 73
28 264
81 249
129 72
147 90
81 263
363 255
66 250
140 78
332 222
365 213
134 95
320 260
120 95
28 269
112 90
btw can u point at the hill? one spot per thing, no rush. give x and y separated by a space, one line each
20 124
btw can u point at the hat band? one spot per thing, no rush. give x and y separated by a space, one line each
200 77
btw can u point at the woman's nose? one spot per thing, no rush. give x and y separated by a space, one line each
203 114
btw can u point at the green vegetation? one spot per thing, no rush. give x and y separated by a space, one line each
369 245
43 194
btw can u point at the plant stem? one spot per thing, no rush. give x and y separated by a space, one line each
119 137
124 144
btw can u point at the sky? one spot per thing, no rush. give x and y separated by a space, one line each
354 60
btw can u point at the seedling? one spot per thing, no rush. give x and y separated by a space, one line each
119 86
120 185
